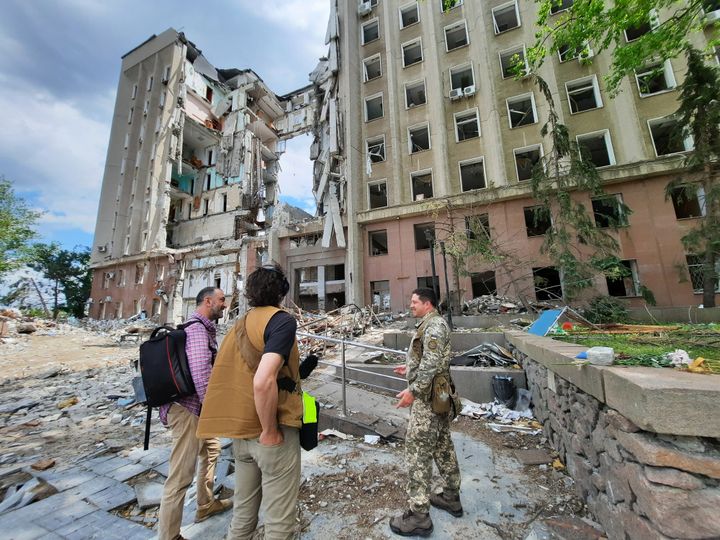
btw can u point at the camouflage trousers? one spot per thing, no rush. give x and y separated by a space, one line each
428 439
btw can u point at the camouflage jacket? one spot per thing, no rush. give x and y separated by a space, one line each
428 355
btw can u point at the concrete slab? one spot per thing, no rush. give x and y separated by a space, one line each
59 517
100 524
114 496
148 494
29 531
533 456
67 479
128 471
109 465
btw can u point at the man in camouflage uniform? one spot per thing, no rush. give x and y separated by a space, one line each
428 433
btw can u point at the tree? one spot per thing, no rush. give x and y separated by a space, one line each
699 117
69 273
600 25
16 227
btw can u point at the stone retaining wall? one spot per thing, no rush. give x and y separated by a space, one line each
637 483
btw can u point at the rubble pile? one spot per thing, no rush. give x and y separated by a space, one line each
486 355
490 303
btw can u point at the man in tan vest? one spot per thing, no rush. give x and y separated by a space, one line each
254 397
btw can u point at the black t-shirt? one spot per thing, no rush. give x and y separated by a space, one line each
280 334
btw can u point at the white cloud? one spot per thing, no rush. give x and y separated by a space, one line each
56 150
296 175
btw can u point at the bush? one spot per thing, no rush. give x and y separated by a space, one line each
606 309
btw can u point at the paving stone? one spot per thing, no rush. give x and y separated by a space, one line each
86 489
154 457
533 456
113 496
110 465
101 524
163 468
59 517
148 494
63 481
128 471
27 531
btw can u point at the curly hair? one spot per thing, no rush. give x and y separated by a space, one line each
266 286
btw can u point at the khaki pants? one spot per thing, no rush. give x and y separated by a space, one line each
270 474
183 460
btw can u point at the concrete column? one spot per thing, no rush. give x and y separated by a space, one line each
321 286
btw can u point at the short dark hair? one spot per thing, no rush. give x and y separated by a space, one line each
266 286
426 295
203 294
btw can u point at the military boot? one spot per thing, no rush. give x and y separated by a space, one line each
449 503
412 523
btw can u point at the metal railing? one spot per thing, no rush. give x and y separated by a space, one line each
344 343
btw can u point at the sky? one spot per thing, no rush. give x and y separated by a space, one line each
59 70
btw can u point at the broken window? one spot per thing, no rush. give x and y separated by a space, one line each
688 201
697 274
521 110
651 22
163 97
130 114
380 293
149 83
119 310
566 53
506 17
415 94
377 193
447 5
525 161
477 227
335 272
309 274
655 78
560 5
378 242
597 148
209 93
510 59
206 207
467 125
424 235
370 31
537 220
121 278
422 186
456 36
412 53
107 277
667 137
374 108
218 280
156 307
139 273
224 202
626 285
409 15
583 94
427 282
166 75
419 138
472 174
548 285
376 149
462 77
608 211
372 67
483 283
134 91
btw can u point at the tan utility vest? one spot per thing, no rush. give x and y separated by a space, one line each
229 406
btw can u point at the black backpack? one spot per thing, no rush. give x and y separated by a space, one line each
164 369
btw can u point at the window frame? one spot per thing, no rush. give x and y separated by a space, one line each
415 236
634 277
699 196
513 50
373 139
514 3
667 73
477 120
561 9
415 83
472 161
377 56
457 24
375 20
523 149
462 67
369 197
622 219
592 79
382 104
387 246
458 3
701 273
608 145
423 172
688 143
415 41
415 127
518 98
400 14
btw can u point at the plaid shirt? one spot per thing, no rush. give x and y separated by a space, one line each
200 347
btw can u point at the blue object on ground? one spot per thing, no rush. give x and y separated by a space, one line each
582 355
545 322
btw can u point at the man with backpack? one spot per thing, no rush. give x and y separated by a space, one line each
181 417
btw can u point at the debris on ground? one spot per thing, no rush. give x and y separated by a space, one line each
486 355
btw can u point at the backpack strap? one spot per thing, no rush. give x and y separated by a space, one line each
148 419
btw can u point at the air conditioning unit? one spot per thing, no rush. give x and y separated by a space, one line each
364 8
712 17
469 90
456 93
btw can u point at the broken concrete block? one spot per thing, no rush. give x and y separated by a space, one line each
69 402
148 494
533 456
43 464
26 328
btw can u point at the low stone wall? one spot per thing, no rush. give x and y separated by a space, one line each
647 481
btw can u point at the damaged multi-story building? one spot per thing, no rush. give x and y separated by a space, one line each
417 118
